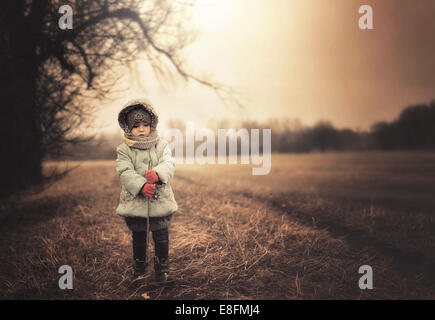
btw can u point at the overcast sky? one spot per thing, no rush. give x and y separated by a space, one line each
303 59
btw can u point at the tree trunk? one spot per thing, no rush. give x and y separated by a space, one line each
21 147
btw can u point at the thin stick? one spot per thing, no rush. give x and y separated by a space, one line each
148 218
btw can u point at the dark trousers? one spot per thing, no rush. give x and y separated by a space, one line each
161 244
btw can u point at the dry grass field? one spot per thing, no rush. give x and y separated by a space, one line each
301 232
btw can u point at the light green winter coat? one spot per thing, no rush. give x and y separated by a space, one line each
131 166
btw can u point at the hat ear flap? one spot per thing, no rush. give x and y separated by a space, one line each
122 121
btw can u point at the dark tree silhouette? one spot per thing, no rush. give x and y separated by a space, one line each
413 129
416 126
324 136
49 75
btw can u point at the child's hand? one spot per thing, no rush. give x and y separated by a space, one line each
151 176
148 190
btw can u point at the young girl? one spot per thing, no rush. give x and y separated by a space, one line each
145 167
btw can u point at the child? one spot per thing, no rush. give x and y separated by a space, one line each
145 166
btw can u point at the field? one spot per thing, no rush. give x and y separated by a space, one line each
301 232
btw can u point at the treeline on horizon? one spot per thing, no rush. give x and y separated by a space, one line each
413 129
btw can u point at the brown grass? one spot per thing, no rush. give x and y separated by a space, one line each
299 233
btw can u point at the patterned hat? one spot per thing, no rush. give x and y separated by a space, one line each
137 110
136 116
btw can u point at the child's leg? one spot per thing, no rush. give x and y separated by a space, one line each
139 245
139 252
161 245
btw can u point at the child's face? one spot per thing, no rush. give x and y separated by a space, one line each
141 129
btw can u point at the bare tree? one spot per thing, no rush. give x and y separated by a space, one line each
49 75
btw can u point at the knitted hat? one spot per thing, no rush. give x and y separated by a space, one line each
137 110
136 116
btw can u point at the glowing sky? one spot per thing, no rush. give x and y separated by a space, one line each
303 59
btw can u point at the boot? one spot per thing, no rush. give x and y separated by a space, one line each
138 268
161 259
161 268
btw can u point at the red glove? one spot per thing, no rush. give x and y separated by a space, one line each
151 176
148 190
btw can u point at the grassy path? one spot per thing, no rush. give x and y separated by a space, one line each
223 245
